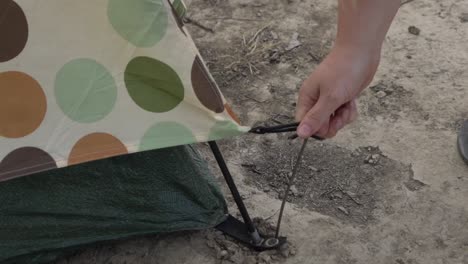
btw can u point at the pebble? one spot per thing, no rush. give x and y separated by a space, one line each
342 209
414 30
313 169
338 195
464 17
211 244
284 250
294 190
265 257
250 260
222 254
237 258
380 94
274 35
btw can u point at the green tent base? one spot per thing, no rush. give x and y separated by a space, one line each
151 192
51 214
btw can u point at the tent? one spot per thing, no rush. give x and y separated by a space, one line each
99 103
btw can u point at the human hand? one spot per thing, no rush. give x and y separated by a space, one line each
327 99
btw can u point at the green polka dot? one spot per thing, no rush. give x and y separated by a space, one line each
224 129
85 90
153 85
141 22
166 134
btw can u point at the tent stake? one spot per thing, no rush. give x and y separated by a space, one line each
235 192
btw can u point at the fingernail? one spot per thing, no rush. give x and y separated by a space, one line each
304 131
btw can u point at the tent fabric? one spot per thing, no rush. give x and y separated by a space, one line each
45 216
87 80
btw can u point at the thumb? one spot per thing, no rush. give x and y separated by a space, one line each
316 117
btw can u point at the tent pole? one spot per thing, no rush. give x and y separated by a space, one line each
232 187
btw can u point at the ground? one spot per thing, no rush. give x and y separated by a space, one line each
390 188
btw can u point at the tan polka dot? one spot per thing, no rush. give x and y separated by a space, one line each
231 113
23 104
96 146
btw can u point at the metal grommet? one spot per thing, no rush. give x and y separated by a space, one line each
271 242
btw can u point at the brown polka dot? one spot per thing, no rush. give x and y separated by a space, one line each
13 30
231 113
24 161
23 104
96 146
205 88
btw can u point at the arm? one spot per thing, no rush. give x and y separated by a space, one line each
327 98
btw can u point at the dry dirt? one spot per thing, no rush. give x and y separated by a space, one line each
388 189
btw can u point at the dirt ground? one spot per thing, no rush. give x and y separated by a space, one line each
390 188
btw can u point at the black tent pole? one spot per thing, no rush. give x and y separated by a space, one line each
233 188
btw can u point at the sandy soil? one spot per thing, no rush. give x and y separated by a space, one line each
388 189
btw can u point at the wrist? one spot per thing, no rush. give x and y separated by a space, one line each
349 49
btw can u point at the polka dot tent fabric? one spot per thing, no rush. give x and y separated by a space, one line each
87 80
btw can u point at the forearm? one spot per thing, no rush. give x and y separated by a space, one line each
363 24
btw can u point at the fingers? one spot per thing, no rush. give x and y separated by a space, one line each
316 118
340 119
345 115
323 131
308 96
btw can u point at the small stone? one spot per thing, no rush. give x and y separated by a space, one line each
284 250
311 196
211 244
293 252
265 257
337 195
367 159
266 189
294 190
343 210
414 30
313 169
380 94
409 57
250 260
222 254
274 35
231 246
294 43
237 258
464 17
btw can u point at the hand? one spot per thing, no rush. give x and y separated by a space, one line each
327 99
